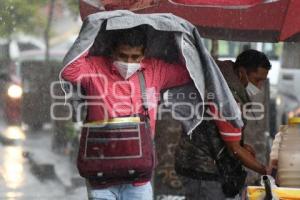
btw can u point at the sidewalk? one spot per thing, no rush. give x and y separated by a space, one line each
41 175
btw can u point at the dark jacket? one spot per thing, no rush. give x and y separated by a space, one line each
196 153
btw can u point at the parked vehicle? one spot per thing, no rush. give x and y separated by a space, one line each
36 77
11 85
11 98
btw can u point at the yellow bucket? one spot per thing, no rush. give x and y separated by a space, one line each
258 193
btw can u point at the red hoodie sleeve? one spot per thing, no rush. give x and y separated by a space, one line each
78 70
172 75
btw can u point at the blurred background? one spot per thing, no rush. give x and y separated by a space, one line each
35 163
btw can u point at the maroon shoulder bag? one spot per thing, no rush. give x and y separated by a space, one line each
118 152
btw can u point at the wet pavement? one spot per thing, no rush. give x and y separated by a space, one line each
30 170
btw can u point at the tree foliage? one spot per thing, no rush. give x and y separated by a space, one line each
21 15
73 6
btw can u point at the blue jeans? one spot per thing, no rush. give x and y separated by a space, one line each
122 192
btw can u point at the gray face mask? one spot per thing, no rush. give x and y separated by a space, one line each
252 90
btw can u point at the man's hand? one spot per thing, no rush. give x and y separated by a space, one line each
246 156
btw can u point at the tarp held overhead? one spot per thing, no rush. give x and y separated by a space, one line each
200 65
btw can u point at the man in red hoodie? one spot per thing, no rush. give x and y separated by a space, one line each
114 84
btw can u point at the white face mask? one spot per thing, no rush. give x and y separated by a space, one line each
252 90
127 69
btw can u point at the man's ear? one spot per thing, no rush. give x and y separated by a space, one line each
242 73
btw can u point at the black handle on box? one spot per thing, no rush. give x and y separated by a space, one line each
268 188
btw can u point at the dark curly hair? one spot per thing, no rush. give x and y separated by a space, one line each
251 60
157 44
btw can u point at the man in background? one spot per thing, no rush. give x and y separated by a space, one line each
197 155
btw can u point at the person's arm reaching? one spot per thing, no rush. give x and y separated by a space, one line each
245 157
77 71
232 137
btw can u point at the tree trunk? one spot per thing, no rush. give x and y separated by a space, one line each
48 28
